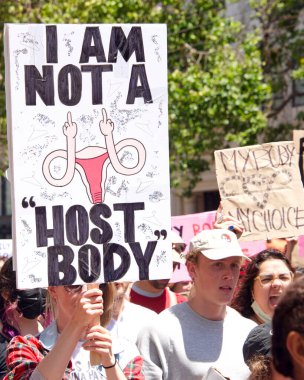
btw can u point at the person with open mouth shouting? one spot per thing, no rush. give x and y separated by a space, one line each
266 277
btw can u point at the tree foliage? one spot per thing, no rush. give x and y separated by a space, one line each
216 85
280 24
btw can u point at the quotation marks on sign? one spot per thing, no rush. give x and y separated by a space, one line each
160 233
25 203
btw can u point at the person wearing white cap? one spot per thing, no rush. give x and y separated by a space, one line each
183 342
155 294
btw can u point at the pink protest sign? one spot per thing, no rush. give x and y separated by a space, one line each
301 246
189 225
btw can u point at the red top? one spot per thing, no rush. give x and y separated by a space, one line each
160 303
25 353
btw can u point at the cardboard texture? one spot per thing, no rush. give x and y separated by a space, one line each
261 186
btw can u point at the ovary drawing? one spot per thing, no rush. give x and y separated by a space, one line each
92 162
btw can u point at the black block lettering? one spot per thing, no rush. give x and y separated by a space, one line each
143 260
139 91
110 273
89 50
51 44
89 263
126 46
77 225
107 233
44 85
43 233
96 76
55 267
128 210
69 73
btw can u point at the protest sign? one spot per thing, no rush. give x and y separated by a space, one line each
5 248
298 138
187 226
88 146
299 258
260 185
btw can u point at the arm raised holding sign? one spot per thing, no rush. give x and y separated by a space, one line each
63 349
227 222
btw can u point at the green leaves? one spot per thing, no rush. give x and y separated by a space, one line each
220 78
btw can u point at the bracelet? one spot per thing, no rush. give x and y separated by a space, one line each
111 366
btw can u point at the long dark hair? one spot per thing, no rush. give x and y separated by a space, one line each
243 299
8 298
7 282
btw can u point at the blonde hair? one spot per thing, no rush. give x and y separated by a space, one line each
192 256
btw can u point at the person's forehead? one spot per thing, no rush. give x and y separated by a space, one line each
273 264
226 259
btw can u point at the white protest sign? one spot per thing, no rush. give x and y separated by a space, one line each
5 248
261 186
89 161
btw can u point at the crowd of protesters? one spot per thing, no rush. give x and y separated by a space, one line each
219 327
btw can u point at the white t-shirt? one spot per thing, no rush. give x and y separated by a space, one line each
132 319
82 368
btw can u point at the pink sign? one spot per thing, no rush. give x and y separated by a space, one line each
189 225
301 245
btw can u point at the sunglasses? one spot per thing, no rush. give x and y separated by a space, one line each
78 288
73 288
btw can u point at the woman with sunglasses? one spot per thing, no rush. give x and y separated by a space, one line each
62 350
266 277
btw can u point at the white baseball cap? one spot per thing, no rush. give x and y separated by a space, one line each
217 244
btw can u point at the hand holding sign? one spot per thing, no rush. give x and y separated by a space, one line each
89 306
227 222
99 343
95 358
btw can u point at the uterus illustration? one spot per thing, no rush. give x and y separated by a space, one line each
92 162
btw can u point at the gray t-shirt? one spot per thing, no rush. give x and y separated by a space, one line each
180 344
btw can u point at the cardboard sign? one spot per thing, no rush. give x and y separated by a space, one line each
261 186
189 225
89 160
